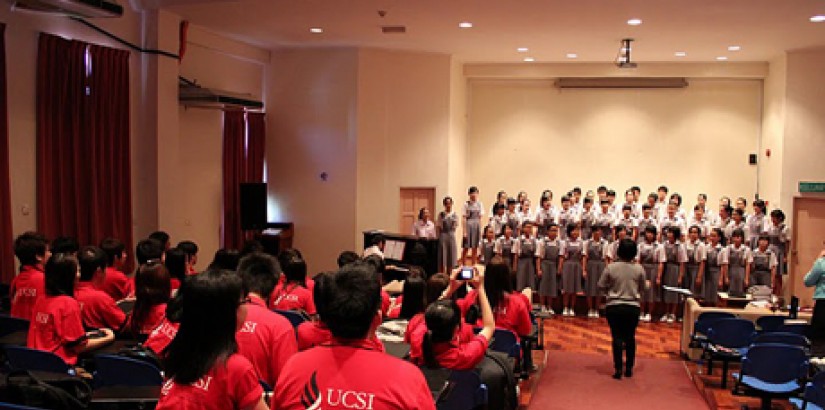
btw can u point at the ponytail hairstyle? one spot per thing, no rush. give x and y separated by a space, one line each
497 281
442 319
61 274
413 292
722 240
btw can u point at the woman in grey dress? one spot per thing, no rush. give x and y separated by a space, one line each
604 220
571 273
673 271
504 246
488 245
695 267
471 214
739 269
778 237
567 215
587 218
548 253
763 267
594 263
525 251
651 256
716 267
447 222
756 223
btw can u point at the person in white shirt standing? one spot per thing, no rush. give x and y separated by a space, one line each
424 226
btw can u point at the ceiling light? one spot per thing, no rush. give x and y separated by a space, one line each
529 59
465 24
634 22
721 58
522 49
316 30
734 48
680 54
818 18
572 55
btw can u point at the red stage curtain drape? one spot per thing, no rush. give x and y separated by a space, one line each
255 147
234 171
6 234
83 161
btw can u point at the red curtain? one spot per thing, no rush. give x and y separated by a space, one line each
255 147
6 234
83 161
234 171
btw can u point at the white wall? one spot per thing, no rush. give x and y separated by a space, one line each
773 135
529 135
457 144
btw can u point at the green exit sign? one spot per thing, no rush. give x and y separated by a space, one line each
812 187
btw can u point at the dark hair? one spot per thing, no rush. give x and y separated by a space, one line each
763 238
663 188
421 213
175 263
148 249
744 201
694 228
698 208
347 257
728 209
738 211
759 204
61 273
635 188
65 244
251 246
777 213
577 190
161 237
378 265
601 188
677 197
726 200
619 228
435 287
91 258
295 269
260 273
113 248
28 246
570 228
565 198
628 191
225 259
652 195
442 319
511 201
651 229
413 302
588 200
446 198
352 297
676 231
737 232
208 319
318 290
547 194
646 207
626 207
191 248
703 196
378 240
472 190
497 281
152 287
611 192
721 234
604 202
627 250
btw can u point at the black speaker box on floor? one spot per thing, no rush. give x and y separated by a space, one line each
253 206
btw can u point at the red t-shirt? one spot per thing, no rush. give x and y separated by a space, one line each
460 355
156 315
26 288
56 323
385 302
174 284
230 385
162 336
311 334
116 284
292 297
414 336
267 339
513 312
395 311
97 308
350 375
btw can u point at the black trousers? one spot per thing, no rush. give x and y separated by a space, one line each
623 320
817 331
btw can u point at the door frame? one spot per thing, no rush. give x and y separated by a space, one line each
400 209
794 277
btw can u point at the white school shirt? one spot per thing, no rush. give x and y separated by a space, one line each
703 224
722 256
541 243
757 227
732 226
605 247
711 215
498 248
423 229
661 209
652 221
465 209
574 219
497 223
681 257
783 234
746 254
676 221
658 249
529 216
517 245
545 214
773 261
630 223
635 211
698 249
589 216
612 250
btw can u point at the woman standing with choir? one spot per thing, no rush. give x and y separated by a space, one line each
525 258
549 253
780 243
740 260
571 269
447 223
424 227
651 256
471 215
716 267
673 271
697 257
594 264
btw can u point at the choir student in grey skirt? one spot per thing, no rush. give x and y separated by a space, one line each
647 219
513 217
651 256
780 243
471 216
673 271
504 247
763 264
697 256
757 223
488 245
737 222
716 267
499 219
604 220
525 253
447 250
740 263
546 215
587 218
594 263
566 216
571 273
549 267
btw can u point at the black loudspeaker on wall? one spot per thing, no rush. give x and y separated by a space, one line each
253 206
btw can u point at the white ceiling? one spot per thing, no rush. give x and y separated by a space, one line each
549 28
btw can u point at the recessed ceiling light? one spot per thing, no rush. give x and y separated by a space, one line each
634 22
522 49
529 59
680 54
721 58
734 48
316 30
572 55
465 24
818 18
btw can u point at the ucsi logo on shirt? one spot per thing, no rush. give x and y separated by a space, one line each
202 383
26 292
291 298
248 327
315 399
43 318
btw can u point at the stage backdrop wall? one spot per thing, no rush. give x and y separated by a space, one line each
530 135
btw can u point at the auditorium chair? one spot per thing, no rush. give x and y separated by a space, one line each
814 396
728 341
23 358
123 371
784 338
770 323
771 371
9 325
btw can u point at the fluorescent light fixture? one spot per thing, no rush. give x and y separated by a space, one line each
721 58
529 59
572 55
522 49
465 24
634 22
680 54
316 30
819 18
734 48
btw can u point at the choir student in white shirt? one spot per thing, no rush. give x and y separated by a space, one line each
699 220
424 227
651 256
737 221
763 264
447 247
757 223
566 215
662 201
780 241
716 267
471 214
740 259
673 271
697 256
546 215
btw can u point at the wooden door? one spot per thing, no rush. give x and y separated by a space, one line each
412 200
808 240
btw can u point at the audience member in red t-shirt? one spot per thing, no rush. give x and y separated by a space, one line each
152 290
116 284
266 338
293 294
160 338
350 368
201 366
191 249
57 326
32 251
413 293
177 263
97 308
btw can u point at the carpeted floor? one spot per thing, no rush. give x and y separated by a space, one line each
574 380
